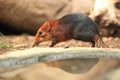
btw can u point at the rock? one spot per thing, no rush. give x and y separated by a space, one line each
28 15
107 15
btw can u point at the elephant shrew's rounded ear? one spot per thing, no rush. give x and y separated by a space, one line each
47 24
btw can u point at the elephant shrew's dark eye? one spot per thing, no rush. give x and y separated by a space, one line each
40 32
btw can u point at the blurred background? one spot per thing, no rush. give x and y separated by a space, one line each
26 16
20 19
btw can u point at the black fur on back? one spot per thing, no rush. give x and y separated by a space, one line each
82 26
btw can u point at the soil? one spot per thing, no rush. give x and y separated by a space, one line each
24 41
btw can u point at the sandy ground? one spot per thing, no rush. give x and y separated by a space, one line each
25 41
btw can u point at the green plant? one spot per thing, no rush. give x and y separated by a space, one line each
1 34
4 45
